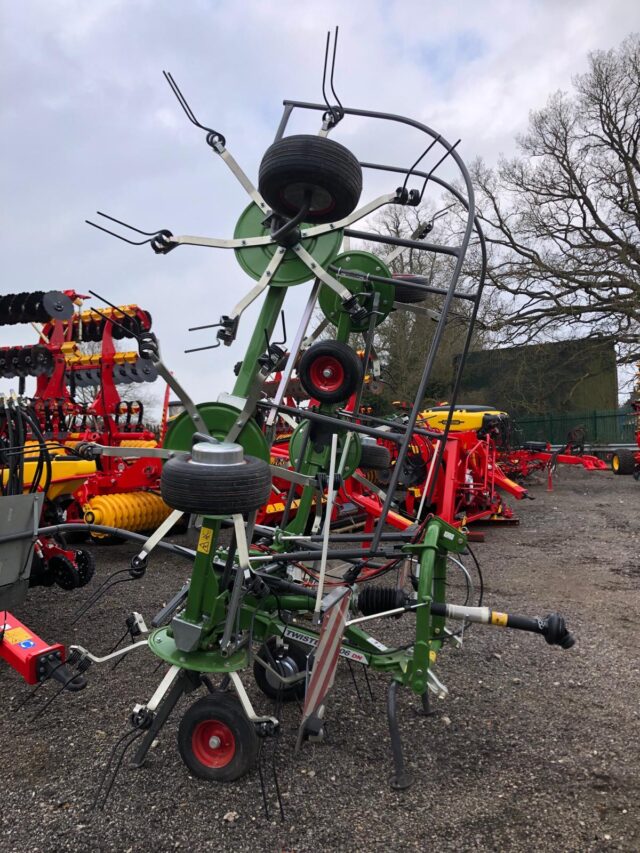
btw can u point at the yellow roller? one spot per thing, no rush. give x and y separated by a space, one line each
95 317
130 442
129 510
74 358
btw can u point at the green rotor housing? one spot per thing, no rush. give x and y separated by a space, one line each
255 259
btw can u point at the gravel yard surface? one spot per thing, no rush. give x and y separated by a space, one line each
534 748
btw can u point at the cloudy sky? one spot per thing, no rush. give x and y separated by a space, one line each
88 122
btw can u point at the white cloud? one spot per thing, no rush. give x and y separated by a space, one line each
88 122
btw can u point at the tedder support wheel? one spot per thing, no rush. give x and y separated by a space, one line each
215 489
330 371
623 461
288 660
374 457
216 740
313 170
405 292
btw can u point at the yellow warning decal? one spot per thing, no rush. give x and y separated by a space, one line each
205 540
16 635
432 656
499 619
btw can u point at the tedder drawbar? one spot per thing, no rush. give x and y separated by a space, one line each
284 603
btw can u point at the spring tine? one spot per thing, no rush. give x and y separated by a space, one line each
119 660
110 304
199 349
113 648
33 692
421 157
261 777
119 236
97 593
182 100
189 112
107 766
115 308
324 74
333 67
116 770
64 686
442 212
126 225
129 737
355 683
208 326
276 783
440 161
284 331
111 320
92 602
366 678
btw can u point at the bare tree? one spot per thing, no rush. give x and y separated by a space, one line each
403 340
563 219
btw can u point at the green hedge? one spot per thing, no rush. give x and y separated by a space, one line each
607 426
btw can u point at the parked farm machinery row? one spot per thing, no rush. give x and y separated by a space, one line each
77 399
627 460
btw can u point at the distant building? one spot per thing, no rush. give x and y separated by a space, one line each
567 376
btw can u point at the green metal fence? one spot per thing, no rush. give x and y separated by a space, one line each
608 426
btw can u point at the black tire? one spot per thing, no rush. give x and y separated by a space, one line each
404 290
220 716
289 660
299 166
64 572
623 461
374 457
86 566
215 489
338 360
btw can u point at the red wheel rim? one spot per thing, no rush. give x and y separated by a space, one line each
326 373
213 743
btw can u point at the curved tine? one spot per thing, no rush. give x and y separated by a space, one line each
115 322
284 331
97 595
126 225
333 68
182 100
215 134
440 161
137 734
324 78
110 304
421 157
200 349
442 212
102 793
119 236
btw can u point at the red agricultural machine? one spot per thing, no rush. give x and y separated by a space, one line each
625 460
531 456
468 483
77 399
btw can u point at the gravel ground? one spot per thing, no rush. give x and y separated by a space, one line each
534 747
